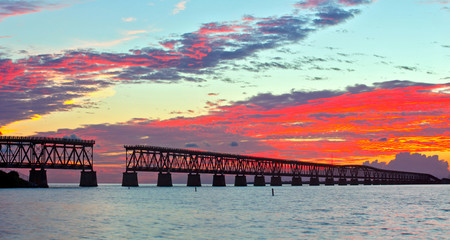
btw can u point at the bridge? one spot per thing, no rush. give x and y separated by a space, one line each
168 160
41 153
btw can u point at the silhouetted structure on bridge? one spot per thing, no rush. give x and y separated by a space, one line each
40 153
168 160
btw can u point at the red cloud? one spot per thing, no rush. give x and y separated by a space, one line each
14 8
349 128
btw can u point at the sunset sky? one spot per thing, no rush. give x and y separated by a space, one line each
334 81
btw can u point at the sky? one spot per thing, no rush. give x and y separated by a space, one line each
331 81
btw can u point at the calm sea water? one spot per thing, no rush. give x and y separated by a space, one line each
149 212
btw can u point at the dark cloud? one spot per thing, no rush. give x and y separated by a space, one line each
294 98
415 162
72 136
184 58
328 116
234 144
333 15
191 145
355 2
269 101
10 8
407 68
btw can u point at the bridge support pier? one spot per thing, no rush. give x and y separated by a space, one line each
314 181
354 181
88 179
219 180
376 182
275 181
367 181
296 181
329 181
194 180
240 181
164 180
38 177
129 179
259 180
342 181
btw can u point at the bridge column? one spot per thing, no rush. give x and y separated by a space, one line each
296 181
259 180
329 181
314 181
354 181
164 180
275 181
219 180
38 177
240 181
376 181
194 180
130 179
367 181
88 179
342 181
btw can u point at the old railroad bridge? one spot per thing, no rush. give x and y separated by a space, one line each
168 160
41 153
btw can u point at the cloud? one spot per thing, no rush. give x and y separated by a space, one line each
415 162
9 8
351 125
72 136
406 68
110 43
134 32
129 19
183 58
443 2
191 145
179 7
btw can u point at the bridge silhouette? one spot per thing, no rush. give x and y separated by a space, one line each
168 160
41 153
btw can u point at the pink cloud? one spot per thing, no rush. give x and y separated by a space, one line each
349 126
15 8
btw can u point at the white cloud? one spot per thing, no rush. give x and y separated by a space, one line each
106 43
134 32
179 7
129 19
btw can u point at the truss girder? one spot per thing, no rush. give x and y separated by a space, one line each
159 159
41 152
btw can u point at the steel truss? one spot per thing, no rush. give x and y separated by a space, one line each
159 159
42 152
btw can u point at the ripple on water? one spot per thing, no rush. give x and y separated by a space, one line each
111 212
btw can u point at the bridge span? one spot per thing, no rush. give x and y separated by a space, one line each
41 153
168 160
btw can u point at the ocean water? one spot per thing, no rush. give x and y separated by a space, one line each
149 212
